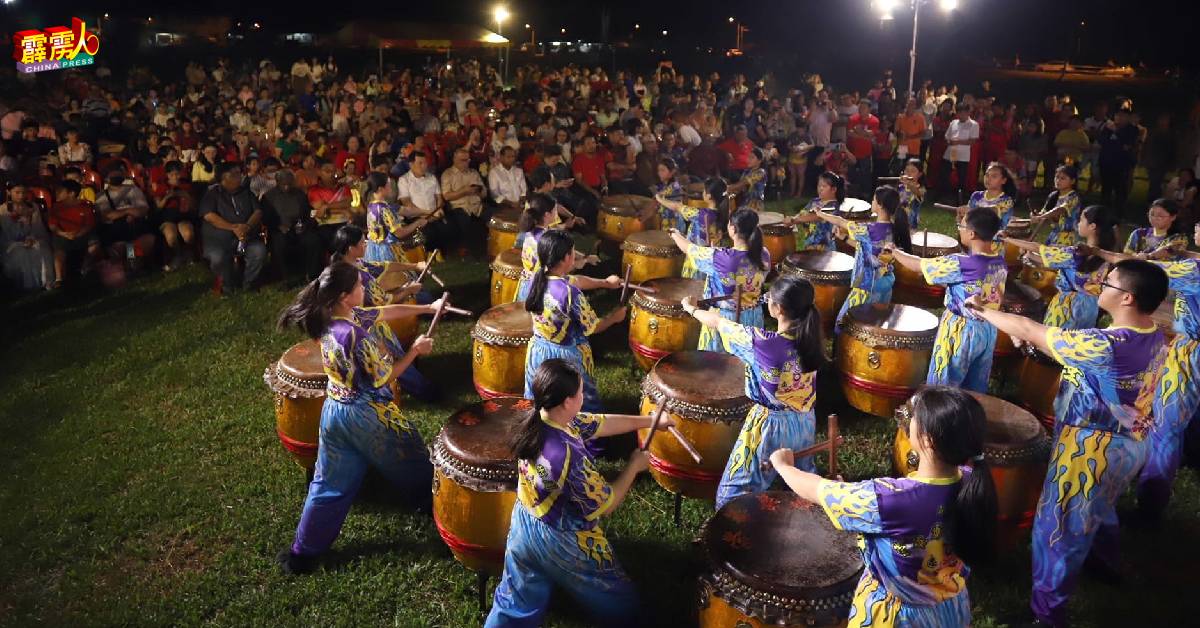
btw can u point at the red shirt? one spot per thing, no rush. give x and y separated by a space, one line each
860 147
159 190
73 217
360 162
321 194
589 169
531 163
739 153
996 134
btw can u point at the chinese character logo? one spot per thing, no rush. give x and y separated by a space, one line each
55 48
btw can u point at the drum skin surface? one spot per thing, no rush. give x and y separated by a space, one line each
501 338
883 355
658 326
619 216
651 255
706 395
829 273
475 481
506 277
502 231
298 381
911 287
750 580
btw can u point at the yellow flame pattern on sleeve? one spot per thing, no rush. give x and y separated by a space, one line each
1080 348
941 270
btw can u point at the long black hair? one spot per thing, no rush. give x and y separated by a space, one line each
312 311
888 198
535 211
915 162
1010 179
745 223
347 236
553 247
956 425
375 181
1106 229
794 296
838 184
554 381
1171 207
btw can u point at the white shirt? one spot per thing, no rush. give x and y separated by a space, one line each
423 191
820 125
689 136
506 184
959 130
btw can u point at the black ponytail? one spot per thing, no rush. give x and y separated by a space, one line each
1010 179
838 184
535 211
375 181
956 425
554 381
347 236
888 198
553 247
745 223
1106 229
312 311
717 190
794 296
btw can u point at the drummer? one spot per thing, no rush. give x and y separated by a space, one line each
918 533
912 192
537 217
831 194
781 376
873 278
385 227
562 316
1103 416
555 537
999 195
751 189
669 187
361 425
703 219
725 270
1080 273
1061 209
962 350
1162 240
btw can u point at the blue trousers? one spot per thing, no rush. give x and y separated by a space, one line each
710 339
1177 402
539 557
762 433
962 353
875 606
354 436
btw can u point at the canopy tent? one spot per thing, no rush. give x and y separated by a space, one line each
413 36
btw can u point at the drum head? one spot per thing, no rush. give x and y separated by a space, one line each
704 378
478 434
670 291
821 261
769 218
505 219
855 209
509 321
509 259
1011 431
778 543
653 240
930 244
1020 298
904 319
626 204
303 361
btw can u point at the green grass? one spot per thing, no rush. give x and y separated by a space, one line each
144 484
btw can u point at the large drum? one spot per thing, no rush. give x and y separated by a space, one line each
502 231
883 355
706 391
856 210
652 254
911 287
414 247
829 273
1021 229
658 325
1038 277
506 277
620 215
407 328
1017 451
1038 381
1018 299
298 381
501 339
774 559
778 238
475 481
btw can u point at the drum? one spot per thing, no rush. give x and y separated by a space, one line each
657 323
1038 381
414 247
778 238
1017 451
883 355
911 287
829 273
475 481
774 559
501 338
708 404
1038 277
1021 229
652 254
502 231
620 215
298 381
1018 299
407 328
855 209
506 276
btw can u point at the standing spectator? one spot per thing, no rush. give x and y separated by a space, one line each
960 135
910 129
73 223
883 145
860 132
996 134
1158 153
1072 142
231 220
737 151
1117 141
291 230
25 252
506 182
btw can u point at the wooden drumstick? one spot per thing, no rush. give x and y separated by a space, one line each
737 305
625 283
438 314
711 301
686 444
896 179
949 208
459 311
637 287
662 406
433 276
835 440
425 271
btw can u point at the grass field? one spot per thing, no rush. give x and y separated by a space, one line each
144 483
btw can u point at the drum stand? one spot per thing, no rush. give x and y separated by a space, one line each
481 582
678 507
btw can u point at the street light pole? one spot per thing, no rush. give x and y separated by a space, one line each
912 53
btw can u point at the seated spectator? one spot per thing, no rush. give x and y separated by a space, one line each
292 233
506 182
73 173
421 196
462 187
177 215
25 254
124 225
204 170
74 151
589 165
331 203
264 178
231 229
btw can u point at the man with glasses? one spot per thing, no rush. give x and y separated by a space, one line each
1103 417
962 351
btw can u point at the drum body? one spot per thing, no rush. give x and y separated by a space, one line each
652 255
414 247
658 326
1038 381
911 287
1018 299
706 392
1017 451
1039 278
1020 229
620 216
298 381
779 239
883 355
502 231
748 578
475 481
829 273
506 276
407 328
501 338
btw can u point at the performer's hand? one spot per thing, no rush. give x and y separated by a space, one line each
666 421
639 460
613 281
974 304
1085 250
423 345
689 304
783 457
433 307
421 265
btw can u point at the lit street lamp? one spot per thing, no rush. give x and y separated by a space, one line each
501 13
885 8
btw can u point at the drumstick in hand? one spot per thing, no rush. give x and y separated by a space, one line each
662 406
686 444
433 256
737 305
835 440
827 445
438 314
625 283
